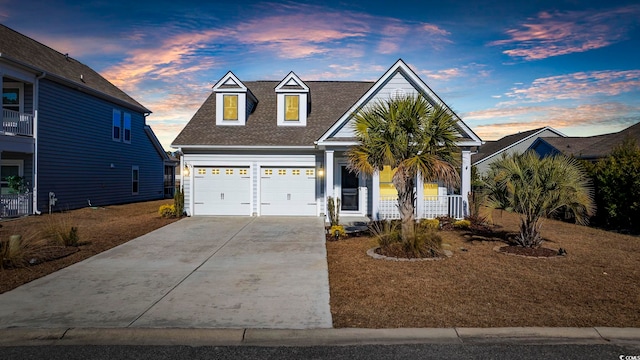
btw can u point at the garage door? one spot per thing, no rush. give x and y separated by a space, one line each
222 191
288 191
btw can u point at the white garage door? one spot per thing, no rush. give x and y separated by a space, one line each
288 191
222 191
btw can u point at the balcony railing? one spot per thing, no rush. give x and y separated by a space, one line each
16 123
12 205
432 207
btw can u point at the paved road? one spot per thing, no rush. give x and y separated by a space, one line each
422 351
200 272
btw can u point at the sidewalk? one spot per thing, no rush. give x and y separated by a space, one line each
315 337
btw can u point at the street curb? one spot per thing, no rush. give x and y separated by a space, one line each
314 337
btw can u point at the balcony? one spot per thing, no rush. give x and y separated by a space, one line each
16 123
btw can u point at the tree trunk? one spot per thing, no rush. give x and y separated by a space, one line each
404 184
530 233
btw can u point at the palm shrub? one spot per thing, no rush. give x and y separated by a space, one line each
537 188
412 136
333 210
178 202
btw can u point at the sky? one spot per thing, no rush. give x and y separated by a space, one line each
503 66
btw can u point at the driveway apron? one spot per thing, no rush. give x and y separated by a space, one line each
199 272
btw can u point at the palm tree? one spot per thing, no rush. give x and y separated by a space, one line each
411 136
537 188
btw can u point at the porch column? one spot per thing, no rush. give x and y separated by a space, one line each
465 186
375 196
419 196
328 175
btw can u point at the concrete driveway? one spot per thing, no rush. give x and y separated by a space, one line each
200 272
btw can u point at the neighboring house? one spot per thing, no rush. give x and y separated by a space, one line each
591 148
71 134
278 148
518 143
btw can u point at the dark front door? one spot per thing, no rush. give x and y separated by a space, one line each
349 198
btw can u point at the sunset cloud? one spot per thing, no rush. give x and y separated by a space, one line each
560 33
578 85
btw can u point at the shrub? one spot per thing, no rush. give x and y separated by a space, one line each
339 229
385 232
178 202
12 252
167 210
462 224
429 224
425 244
60 230
333 211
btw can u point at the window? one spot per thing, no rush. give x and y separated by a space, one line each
228 172
309 172
282 172
127 128
243 171
430 190
9 168
292 108
215 171
202 171
295 172
268 172
117 125
386 182
230 107
12 96
135 180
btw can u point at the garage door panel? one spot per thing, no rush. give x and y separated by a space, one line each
288 191
222 191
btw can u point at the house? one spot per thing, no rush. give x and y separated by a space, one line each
518 143
591 148
73 137
260 148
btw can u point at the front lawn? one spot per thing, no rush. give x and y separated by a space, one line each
596 284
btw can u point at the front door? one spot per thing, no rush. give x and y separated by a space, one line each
349 198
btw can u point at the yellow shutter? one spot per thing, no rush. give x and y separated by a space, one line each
386 182
430 189
292 108
230 107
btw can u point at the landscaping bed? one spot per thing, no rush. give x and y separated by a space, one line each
594 284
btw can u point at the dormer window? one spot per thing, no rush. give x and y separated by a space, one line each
291 108
233 101
230 107
293 101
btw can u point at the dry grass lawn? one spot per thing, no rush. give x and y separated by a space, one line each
596 284
98 229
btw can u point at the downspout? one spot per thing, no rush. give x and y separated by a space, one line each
36 104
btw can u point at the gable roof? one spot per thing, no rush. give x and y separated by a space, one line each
592 147
330 100
35 56
467 136
491 148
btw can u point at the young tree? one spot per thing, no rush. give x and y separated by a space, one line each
411 136
537 188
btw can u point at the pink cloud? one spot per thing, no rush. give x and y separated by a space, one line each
578 85
561 33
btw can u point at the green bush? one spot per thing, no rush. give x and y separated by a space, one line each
617 188
167 211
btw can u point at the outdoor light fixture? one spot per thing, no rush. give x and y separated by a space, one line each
320 172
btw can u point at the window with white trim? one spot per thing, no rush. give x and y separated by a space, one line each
12 96
9 168
135 180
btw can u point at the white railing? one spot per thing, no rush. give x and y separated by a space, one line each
432 207
16 123
16 205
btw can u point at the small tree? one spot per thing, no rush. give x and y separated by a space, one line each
178 202
538 188
333 210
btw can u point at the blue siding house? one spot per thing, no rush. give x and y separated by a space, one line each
74 138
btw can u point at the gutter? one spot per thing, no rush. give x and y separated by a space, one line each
36 110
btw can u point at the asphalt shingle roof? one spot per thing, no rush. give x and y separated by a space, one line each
329 101
491 147
19 48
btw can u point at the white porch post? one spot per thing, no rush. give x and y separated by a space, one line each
375 195
465 188
328 173
419 196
